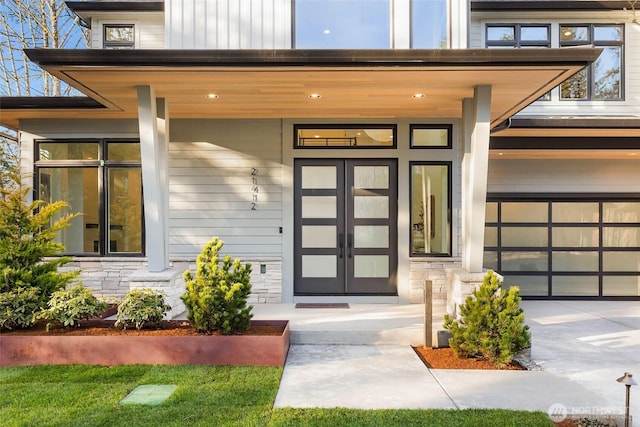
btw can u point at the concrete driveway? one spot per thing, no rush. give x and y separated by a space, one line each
591 343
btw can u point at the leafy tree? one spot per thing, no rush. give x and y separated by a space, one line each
30 24
216 296
491 325
28 233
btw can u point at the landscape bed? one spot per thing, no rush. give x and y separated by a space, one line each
265 344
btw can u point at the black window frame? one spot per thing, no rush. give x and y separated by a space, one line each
448 127
449 165
393 127
591 42
103 165
118 44
517 42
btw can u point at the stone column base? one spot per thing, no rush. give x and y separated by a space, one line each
461 284
169 281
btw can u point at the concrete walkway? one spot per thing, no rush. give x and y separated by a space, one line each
581 346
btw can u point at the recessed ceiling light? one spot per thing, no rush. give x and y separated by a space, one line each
418 95
212 96
327 31
315 96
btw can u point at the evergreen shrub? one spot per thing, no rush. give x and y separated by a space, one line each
141 307
491 325
19 308
216 296
69 306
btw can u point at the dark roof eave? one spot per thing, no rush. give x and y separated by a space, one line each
79 7
575 123
586 5
309 57
49 103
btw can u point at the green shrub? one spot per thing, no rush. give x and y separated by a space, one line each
492 324
28 235
69 306
19 308
141 307
216 297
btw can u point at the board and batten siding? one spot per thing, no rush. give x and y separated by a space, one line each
225 180
149 29
630 106
608 176
228 24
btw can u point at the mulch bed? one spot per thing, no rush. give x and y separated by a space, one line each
97 327
443 358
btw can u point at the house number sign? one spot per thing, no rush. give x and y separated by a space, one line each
254 189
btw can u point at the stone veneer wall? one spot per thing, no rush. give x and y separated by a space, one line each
266 288
108 277
434 269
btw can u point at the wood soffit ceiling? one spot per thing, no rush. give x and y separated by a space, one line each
277 84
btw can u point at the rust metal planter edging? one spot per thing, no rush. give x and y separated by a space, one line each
239 350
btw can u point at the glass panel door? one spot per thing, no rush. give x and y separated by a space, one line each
346 227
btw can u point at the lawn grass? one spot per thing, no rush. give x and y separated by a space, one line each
83 395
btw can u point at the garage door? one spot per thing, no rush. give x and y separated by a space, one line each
565 247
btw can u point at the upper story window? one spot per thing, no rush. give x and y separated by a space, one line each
429 24
119 36
518 35
603 79
342 24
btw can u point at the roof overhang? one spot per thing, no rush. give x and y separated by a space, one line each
353 84
572 126
528 5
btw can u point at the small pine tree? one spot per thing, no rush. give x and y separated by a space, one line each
28 233
216 297
492 324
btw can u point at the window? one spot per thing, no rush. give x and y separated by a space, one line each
518 36
119 37
565 248
370 136
430 208
431 136
429 24
342 24
101 180
603 79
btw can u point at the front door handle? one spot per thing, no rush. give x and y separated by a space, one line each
350 244
341 245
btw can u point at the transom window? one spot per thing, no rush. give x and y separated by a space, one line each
603 79
356 136
342 24
119 36
101 180
518 35
431 136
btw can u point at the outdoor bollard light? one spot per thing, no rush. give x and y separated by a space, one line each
627 380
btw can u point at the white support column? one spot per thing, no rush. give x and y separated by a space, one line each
155 169
477 127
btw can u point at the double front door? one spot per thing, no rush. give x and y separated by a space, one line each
345 227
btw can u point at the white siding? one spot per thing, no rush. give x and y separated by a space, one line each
149 29
564 176
631 103
228 24
212 189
